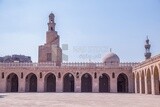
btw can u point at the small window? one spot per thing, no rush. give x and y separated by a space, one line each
113 75
51 28
95 75
21 74
2 74
40 74
59 75
77 75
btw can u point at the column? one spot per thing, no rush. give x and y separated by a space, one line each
140 84
40 85
59 85
95 85
146 88
113 85
77 84
3 85
21 86
135 83
152 85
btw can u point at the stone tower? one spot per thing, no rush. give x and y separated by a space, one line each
147 46
51 51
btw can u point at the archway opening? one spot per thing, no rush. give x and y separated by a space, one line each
142 83
104 83
12 83
156 81
86 83
31 83
50 83
68 83
122 83
149 82
137 82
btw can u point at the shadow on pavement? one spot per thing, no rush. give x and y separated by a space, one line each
2 96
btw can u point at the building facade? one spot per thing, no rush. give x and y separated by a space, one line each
50 74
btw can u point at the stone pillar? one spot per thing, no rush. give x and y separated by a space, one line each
77 84
59 85
135 83
113 85
22 85
146 88
40 85
3 85
95 85
140 85
152 85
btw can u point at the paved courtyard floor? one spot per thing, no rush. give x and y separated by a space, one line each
78 100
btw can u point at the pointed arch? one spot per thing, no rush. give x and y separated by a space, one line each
142 82
68 83
31 83
104 83
156 81
149 88
137 82
86 83
12 83
122 83
50 83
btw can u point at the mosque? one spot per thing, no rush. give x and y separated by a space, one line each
19 74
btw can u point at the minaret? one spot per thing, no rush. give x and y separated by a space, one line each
51 23
51 35
147 48
51 51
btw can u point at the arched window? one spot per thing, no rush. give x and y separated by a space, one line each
21 74
2 74
95 75
113 75
40 74
77 75
51 28
59 75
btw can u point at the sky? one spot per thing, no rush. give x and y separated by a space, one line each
88 27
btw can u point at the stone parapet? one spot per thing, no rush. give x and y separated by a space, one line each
147 62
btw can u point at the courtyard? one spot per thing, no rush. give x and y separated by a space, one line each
78 100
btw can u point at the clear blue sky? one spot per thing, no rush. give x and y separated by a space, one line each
92 26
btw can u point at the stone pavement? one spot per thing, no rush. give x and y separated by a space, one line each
78 100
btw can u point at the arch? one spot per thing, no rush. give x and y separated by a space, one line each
142 82
12 83
149 88
156 81
137 82
134 79
104 83
122 83
50 83
86 83
31 83
68 83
